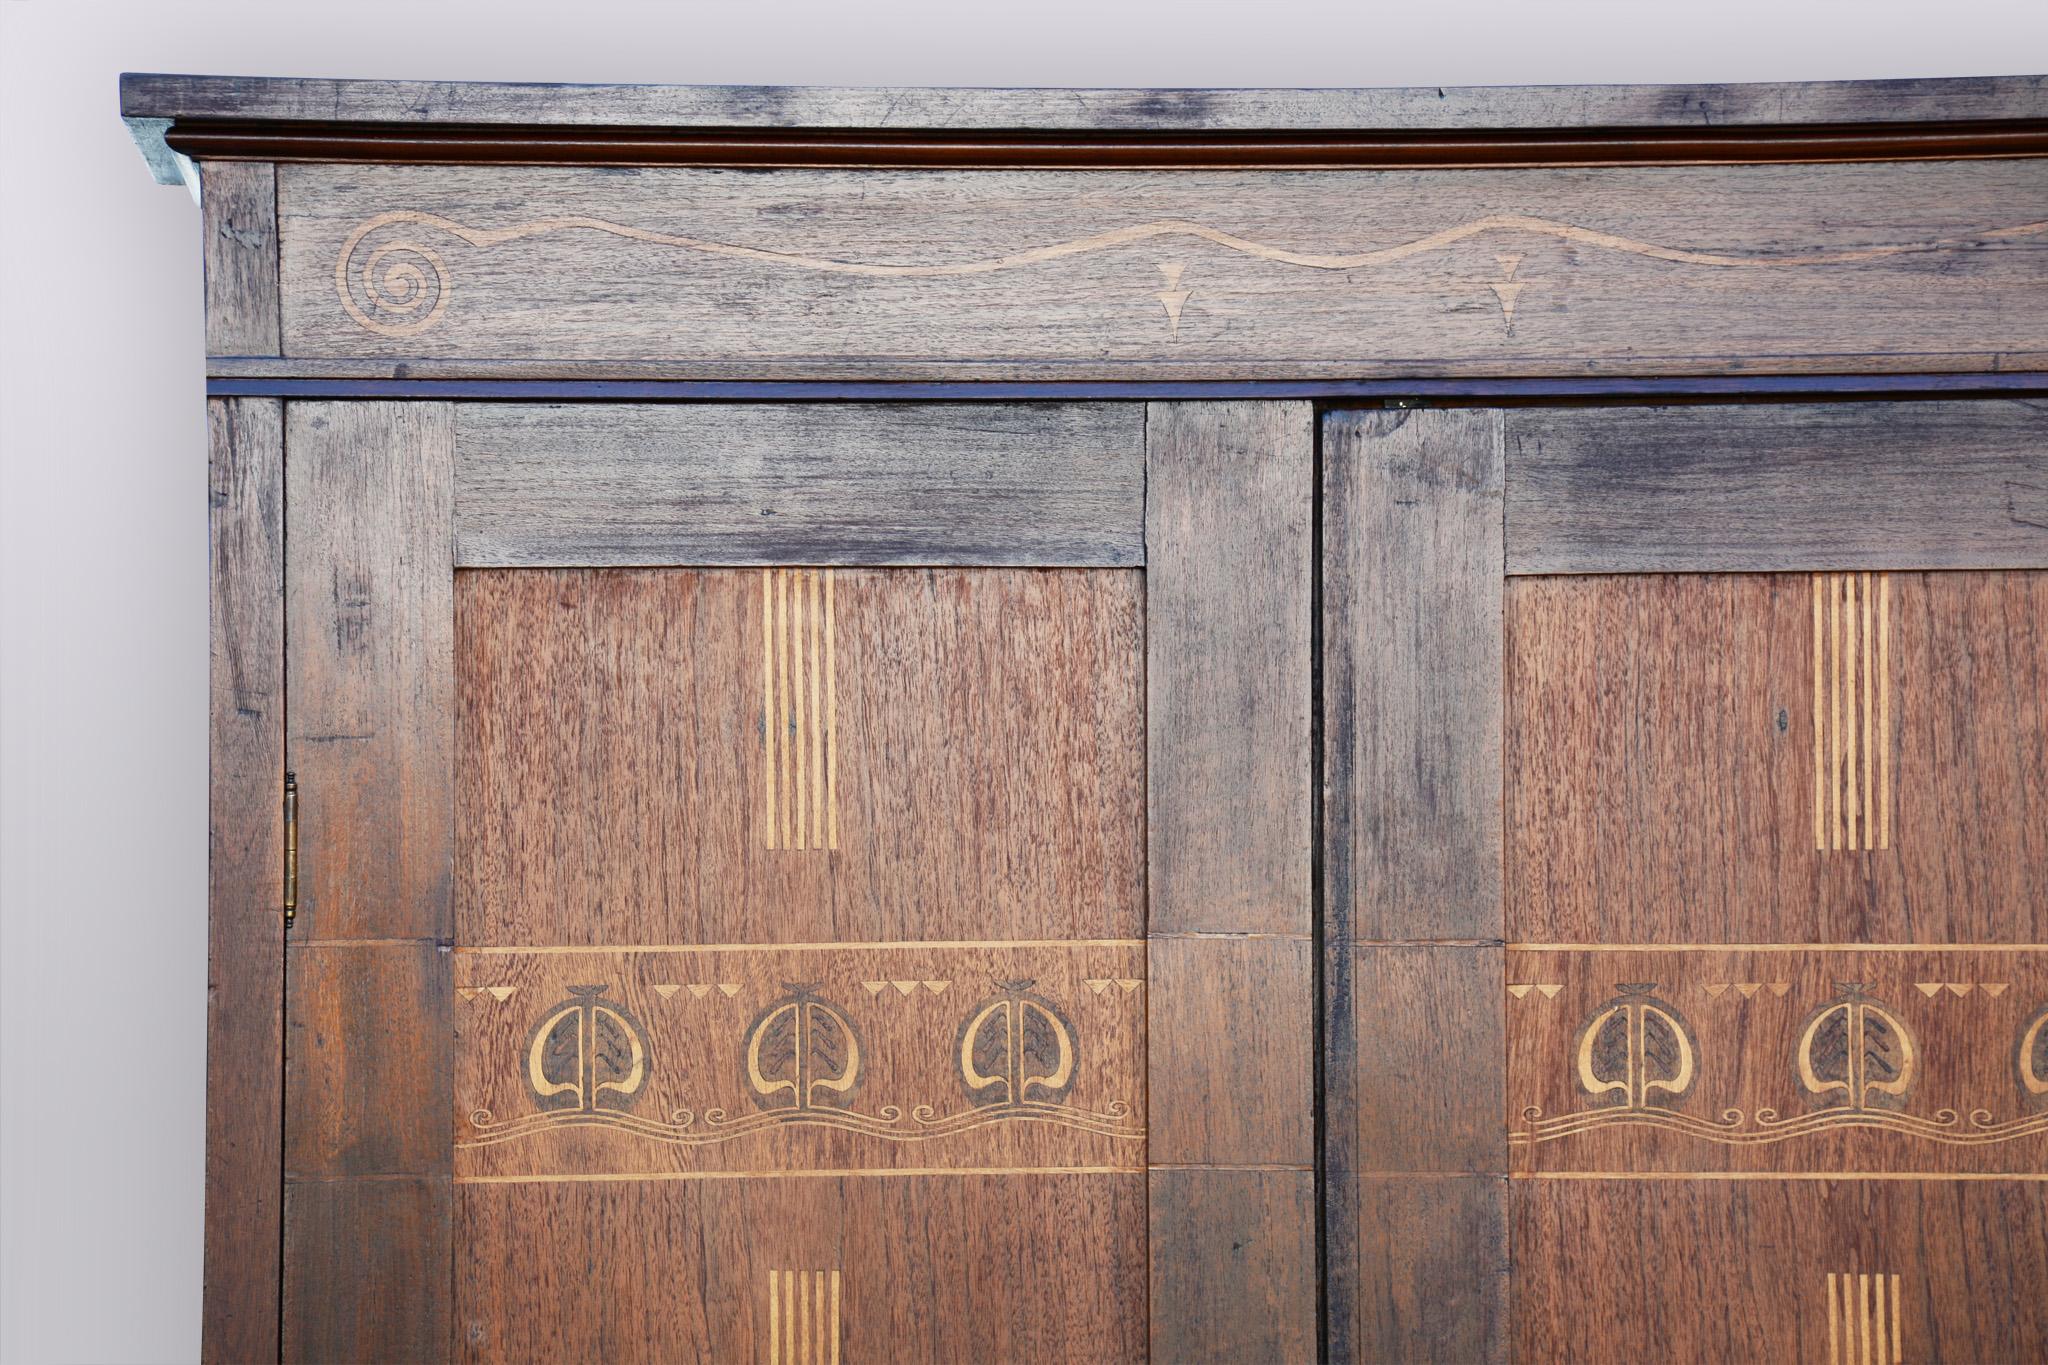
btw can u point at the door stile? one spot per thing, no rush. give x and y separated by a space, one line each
1231 1011
1415 1161
368 1034
245 936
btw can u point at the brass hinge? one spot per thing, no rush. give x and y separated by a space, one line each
291 848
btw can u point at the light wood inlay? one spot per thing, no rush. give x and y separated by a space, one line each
1852 662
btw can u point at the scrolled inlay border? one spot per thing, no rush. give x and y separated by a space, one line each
389 293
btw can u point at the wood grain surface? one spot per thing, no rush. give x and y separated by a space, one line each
613 779
1231 999
1412 643
1628 1270
868 484
1229 1248
1661 773
1412 716
245 860
1797 486
238 205
314 100
1947 1079
712 1094
1173 274
983 1269
1433 1264
369 1043
1227 666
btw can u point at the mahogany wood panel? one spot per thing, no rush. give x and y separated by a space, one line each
1229 1026
1429 1039
369 1041
966 1268
1412 641
1797 1061
238 201
1433 1250
315 100
978 734
245 924
1667 781
871 484
1255 1229
1227 594
1629 1270
1231 1002
1172 274
1798 486
909 1069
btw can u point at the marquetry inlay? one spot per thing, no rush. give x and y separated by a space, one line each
393 281
1864 1326
794 1057
799 711
1852 711
1663 1059
803 1317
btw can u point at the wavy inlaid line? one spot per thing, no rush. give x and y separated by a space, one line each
1737 1129
403 287
684 1128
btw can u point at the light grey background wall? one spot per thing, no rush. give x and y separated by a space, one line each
102 467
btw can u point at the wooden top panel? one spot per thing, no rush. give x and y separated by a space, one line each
1170 274
426 103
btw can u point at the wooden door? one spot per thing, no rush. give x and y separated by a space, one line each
1687 858
799 884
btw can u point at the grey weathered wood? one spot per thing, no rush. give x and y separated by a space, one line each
1412 843
1620 270
1948 485
245 864
1428 108
1413 655
238 201
1227 665
370 1039
994 484
1231 1001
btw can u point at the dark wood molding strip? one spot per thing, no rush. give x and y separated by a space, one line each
1760 388
483 144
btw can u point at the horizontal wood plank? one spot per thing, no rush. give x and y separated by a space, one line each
1860 266
421 103
986 484
1935 485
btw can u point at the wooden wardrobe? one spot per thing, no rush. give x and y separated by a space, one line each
1195 726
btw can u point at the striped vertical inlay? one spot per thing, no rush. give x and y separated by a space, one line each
1852 711
1863 1320
799 711
803 1317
